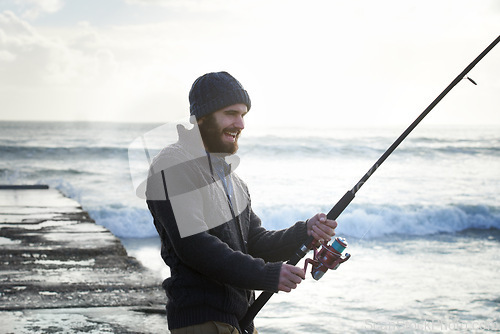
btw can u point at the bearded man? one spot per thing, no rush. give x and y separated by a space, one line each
215 245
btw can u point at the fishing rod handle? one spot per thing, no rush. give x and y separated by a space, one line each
266 295
254 309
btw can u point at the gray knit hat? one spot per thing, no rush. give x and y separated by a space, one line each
214 91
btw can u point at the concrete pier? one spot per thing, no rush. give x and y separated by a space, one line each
62 273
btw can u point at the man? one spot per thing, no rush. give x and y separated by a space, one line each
213 242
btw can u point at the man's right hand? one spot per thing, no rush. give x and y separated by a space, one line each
290 276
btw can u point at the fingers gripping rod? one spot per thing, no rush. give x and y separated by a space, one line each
349 195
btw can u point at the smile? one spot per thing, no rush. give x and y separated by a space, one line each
231 135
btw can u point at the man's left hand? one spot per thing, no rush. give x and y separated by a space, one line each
321 228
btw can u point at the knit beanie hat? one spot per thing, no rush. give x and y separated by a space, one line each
214 91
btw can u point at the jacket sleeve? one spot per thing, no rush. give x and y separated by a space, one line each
278 245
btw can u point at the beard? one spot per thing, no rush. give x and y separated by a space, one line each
212 133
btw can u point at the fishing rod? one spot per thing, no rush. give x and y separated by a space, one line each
330 257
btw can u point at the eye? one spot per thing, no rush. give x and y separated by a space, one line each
232 113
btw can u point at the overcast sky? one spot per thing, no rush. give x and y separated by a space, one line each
324 62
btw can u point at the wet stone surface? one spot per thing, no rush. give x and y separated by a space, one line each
57 268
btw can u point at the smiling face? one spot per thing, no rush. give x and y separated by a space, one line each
220 130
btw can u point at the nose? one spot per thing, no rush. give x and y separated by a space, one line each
239 122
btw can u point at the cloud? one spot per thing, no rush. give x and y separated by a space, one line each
83 72
30 58
196 5
31 9
50 72
6 56
28 53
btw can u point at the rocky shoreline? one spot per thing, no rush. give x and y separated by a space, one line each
60 272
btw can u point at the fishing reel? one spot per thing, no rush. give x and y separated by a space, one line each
329 257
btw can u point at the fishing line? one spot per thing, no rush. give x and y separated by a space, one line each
349 195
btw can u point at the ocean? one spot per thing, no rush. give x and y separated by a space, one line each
423 232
